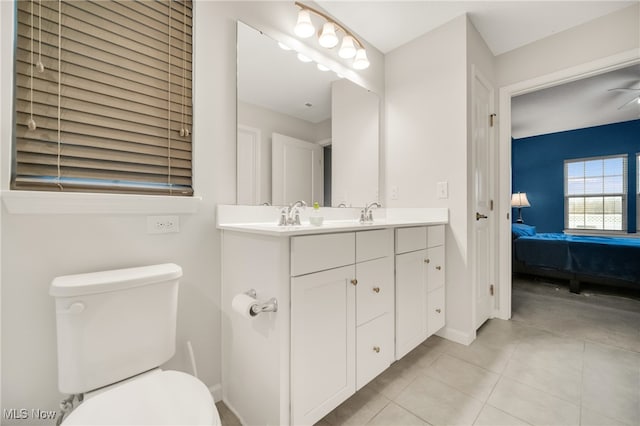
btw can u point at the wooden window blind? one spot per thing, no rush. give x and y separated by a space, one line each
103 96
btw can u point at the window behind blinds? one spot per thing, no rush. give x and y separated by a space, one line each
112 107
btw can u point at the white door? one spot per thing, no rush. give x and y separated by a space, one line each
482 140
297 171
411 301
248 177
323 352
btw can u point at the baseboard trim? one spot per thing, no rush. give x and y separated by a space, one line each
216 392
456 336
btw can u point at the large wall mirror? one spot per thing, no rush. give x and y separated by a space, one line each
303 133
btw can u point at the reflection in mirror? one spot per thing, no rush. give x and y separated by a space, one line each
288 146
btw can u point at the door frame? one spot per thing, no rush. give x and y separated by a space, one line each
257 161
567 75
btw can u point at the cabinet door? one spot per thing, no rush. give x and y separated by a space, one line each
374 292
411 301
435 268
322 343
435 310
374 348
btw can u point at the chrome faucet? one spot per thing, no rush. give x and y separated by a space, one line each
366 214
290 215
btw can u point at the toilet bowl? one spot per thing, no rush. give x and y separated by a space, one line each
154 398
114 329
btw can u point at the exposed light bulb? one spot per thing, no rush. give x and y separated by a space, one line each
322 67
348 48
328 37
283 46
304 27
361 62
304 58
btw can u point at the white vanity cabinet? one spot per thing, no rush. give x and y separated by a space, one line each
341 317
420 295
337 322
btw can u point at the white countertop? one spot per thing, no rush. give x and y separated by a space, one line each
263 220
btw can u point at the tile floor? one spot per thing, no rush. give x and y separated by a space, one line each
563 359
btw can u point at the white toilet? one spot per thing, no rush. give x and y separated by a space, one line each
114 329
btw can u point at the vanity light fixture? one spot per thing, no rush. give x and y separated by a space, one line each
322 67
283 46
350 47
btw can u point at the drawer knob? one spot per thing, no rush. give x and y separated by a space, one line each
438 267
438 310
376 349
376 289
354 281
427 260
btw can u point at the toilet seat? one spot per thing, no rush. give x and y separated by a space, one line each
162 398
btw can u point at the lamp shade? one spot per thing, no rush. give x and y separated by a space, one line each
304 27
520 200
361 62
328 37
347 48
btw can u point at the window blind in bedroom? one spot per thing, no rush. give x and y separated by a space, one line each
103 96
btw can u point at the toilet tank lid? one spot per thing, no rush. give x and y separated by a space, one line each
117 279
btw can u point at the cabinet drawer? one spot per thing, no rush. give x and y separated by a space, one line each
374 292
435 236
374 349
411 239
435 310
314 253
374 244
435 268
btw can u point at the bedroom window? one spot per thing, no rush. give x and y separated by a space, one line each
596 193
103 96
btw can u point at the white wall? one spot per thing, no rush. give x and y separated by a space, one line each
36 248
269 121
426 143
611 34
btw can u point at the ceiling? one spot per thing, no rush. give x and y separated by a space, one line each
576 105
504 25
273 78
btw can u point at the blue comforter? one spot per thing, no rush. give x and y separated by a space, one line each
608 257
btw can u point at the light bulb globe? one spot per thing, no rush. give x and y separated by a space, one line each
328 37
361 62
347 48
304 27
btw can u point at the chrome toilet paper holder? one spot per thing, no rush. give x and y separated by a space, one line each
270 305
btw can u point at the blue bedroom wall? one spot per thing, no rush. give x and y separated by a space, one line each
538 168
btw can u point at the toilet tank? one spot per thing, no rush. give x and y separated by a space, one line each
112 325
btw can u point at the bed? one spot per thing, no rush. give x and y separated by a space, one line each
576 258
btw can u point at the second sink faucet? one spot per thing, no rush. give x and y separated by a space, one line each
290 215
366 214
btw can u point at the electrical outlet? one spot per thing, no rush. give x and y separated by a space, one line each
394 192
442 188
162 224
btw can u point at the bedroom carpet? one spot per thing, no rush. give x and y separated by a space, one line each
563 359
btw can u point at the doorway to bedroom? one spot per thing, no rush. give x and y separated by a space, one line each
574 168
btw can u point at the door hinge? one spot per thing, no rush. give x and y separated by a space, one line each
491 205
491 119
491 289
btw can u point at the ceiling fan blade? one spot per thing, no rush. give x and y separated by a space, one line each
623 88
632 101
